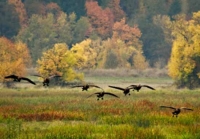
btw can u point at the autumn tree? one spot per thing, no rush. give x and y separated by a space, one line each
21 11
117 11
34 7
14 58
53 8
130 35
126 40
117 54
85 54
59 60
184 65
101 19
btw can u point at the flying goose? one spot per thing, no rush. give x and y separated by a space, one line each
86 86
125 90
100 95
176 110
18 78
46 80
138 87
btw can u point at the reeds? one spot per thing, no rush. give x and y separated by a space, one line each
66 113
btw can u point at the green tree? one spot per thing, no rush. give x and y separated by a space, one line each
81 30
9 25
43 32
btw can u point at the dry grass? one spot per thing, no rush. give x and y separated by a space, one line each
150 72
68 113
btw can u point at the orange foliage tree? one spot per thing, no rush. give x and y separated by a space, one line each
20 9
123 31
101 19
14 58
116 10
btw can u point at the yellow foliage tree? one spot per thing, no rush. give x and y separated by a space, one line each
59 60
85 54
113 53
184 64
14 58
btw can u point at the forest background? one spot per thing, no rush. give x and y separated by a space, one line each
61 37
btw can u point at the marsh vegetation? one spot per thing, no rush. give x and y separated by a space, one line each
67 112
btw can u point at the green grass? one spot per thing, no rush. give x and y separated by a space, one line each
60 113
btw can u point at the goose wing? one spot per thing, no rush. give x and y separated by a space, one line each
27 79
167 107
148 87
94 94
92 85
38 76
11 76
77 86
111 94
119 88
52 76
186 108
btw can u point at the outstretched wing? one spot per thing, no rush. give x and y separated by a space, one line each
148 87
93 94
11 76
167 107
53 76
77 86
92 85
38 76
132 85
117 87
186 108
27 79
107 93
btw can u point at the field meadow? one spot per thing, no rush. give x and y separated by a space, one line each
36 112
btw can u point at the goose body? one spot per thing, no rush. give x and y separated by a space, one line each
46 80
176 111
86 86
138 87
100 95
126 90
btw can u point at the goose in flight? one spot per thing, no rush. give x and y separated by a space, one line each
18 78
125 90
176 110
100 95
86 86
138 87
46 80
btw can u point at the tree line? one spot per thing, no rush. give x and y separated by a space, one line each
105 34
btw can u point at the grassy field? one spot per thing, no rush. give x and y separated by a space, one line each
66 113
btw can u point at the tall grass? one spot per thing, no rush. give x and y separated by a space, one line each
60 113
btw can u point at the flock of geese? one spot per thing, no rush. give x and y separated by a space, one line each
100 95
46 80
